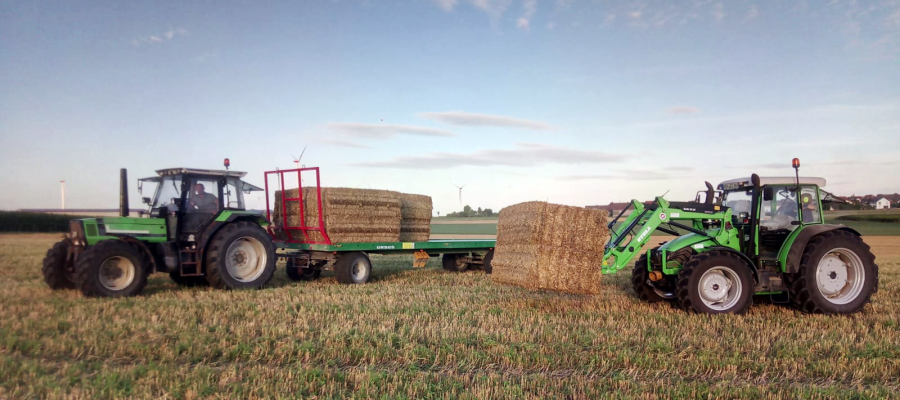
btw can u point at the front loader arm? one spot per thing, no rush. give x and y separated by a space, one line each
623 251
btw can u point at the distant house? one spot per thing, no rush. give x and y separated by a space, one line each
882 204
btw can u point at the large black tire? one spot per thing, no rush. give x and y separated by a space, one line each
301 274
353 268
639 276
188 281
240 256
488 258
454 262
804 288
59 272
113 268
710 276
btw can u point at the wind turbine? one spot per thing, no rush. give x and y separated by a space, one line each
460 195
297 159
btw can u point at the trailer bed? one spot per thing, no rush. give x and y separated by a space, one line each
431 247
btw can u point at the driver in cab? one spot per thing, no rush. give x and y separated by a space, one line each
202 202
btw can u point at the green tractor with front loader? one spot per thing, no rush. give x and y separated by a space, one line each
198 231
756 236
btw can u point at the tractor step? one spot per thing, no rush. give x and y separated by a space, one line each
190 265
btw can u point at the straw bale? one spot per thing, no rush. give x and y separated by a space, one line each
415 217
350 215
550 246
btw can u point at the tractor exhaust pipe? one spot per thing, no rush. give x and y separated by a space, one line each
123 192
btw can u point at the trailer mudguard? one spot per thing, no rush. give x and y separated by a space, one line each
792 249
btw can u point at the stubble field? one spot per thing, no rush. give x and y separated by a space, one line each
428 333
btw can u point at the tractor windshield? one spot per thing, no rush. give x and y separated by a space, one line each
168 194
739 201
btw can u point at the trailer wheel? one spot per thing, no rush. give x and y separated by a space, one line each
58 271
454 262
353 268
298 274
240 256
112 268
639 277
188 281
486 266
837 275
715 282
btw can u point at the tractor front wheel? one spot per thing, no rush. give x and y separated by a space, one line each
240 256
639 277
58 270
113 268
715 282
837 275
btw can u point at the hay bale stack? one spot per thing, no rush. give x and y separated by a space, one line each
415 217
550 246
351 215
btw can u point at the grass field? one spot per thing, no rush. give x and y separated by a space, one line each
470 229
427 333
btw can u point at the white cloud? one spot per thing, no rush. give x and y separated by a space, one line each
154 39
494 8
473 119
718 12
342 143
446 5
752 13
522 155
529 7
680 110
383 131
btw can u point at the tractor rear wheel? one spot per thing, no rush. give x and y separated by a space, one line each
353 268
113 268
486 263
454 262
298 274
715 282
240 256
188 281
58 270
639 277
837 275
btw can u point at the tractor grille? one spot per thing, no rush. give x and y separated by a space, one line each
92 230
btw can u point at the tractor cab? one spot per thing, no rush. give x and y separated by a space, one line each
783 204
190 198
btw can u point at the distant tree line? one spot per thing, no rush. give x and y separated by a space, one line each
18 221
469 212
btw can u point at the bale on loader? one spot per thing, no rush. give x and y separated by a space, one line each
550 246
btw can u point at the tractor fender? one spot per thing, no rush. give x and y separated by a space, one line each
742 256
791 259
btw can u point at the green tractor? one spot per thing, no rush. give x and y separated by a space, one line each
750 237
199 232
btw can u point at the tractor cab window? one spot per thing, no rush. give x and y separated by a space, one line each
203 197
809 205
739 202
778 209
233 194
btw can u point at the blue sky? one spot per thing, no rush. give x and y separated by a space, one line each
575 102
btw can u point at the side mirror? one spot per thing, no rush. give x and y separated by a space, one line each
768 194
146 200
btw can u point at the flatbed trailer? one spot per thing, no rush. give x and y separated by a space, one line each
306 259
351 263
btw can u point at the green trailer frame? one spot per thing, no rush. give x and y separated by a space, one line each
351 263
